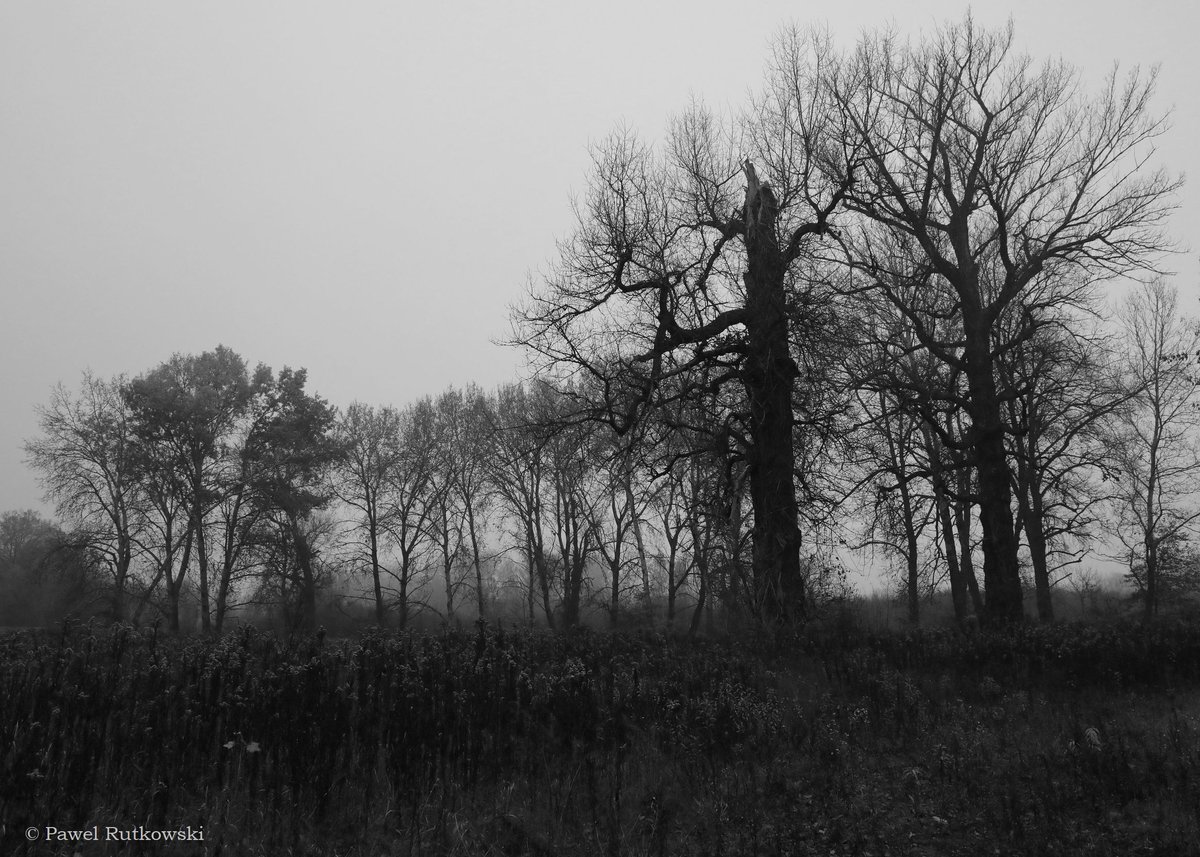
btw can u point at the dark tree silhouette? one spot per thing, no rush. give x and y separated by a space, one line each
675 274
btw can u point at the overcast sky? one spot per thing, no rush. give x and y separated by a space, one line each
361 188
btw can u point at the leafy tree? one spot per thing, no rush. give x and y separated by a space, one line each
292 449
185 408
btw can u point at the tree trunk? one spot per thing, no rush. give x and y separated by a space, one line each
1030 504
701 595
643 563
480 595
768 378
1001 573
373 534
229 559
538 555
121 571
962 522
372 511
1151 605
531 573
308 578
202 559
175 584
672 565
941 499
1149 528
913 583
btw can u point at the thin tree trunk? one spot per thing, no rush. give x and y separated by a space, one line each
308 579
480 595
643 563
202 557
532 573
937 478
373 538
543 574
1031 511
175 584
962 518
701 595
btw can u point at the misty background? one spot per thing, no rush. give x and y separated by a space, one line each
363 189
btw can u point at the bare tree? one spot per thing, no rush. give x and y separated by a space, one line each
468 421
1155 439
1063 391
518 473
167 539
980 173
461 489
86 457
687 259
898 511
410 506
620 510
371 440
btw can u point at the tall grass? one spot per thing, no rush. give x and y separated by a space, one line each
1060 740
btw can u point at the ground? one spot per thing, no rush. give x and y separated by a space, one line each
1071 739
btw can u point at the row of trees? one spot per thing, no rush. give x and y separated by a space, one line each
863 314
189 479
200 486
911 268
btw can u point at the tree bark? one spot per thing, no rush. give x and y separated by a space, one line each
768 378
941 499
1001 574
308 578
1035 535
480 595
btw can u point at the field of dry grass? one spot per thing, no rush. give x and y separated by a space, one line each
1060 740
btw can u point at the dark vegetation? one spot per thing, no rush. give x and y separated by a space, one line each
862 318
1066 739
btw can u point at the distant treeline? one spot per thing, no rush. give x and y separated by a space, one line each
861 318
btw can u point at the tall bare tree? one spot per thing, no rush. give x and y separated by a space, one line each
410 507
86 456
519 472
687 259
1064 391
469 421
981 172
1156 440
370 438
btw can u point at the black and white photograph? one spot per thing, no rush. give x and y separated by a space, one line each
622 429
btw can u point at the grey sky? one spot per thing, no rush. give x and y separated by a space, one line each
362 188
